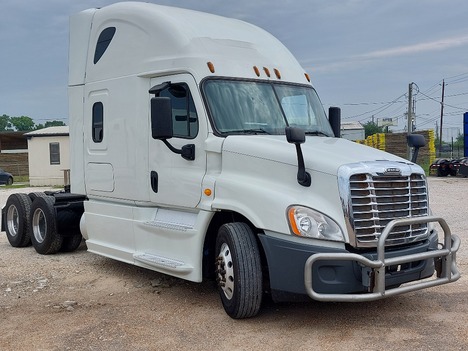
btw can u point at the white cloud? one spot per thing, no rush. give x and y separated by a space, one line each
355 61
437 45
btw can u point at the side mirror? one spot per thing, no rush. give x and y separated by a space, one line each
334 117
161 118
295 135
417 141
161 126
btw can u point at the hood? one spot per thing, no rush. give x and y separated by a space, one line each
321 154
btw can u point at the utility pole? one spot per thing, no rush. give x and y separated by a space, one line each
441 116
409 117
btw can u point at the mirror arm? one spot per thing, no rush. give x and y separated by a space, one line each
187 152
415 155
296 136
303 177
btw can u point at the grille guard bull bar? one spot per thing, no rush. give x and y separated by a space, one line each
445 259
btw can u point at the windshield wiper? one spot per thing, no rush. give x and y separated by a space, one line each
316 132
248 131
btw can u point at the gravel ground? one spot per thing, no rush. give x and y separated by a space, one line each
81 301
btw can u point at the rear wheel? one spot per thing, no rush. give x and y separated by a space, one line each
17 220
44 235
238 270
71 243
68 224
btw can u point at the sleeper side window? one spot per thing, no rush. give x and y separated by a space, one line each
98 122
103 42
184 115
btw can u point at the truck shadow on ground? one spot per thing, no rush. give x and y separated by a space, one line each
397 310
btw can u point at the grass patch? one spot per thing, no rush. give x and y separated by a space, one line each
21 179
17 186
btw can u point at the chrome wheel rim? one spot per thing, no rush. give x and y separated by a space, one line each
13 220
39 225
225 271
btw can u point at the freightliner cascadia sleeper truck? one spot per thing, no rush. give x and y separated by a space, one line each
199 149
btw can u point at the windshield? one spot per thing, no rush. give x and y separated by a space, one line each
249 107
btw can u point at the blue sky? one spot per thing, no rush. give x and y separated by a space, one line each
360 54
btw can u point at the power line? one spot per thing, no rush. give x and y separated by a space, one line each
377 110
456 76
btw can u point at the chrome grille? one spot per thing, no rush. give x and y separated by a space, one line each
376 200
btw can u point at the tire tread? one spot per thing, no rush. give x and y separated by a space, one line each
248 296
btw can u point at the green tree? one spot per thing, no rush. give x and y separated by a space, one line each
459 142
54 124
371 128
23 123
50 124
5 123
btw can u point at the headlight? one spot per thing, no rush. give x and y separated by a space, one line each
309 223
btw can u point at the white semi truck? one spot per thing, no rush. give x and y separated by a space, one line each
199 148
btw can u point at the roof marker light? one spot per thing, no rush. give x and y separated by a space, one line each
307 77
277 73
211 67
267 71
256 70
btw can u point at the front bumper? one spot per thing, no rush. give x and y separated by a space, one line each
338 275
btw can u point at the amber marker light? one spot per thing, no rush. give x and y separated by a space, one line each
211 67
267 71
292 221
256 70
277 73
207 192
307 77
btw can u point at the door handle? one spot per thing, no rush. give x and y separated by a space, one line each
154 181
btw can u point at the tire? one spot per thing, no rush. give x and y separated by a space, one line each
68 224
17 212
9 181
44 235
34 195
238 270
71 243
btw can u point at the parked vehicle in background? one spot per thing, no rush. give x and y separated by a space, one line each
453 168
441 167
5 177
462 166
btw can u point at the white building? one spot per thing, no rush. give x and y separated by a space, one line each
49 155
352 131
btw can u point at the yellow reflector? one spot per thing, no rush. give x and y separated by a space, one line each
207 192
211 67
307 77
267 71
292 221
256 70
278 74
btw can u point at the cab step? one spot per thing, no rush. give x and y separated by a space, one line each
163 263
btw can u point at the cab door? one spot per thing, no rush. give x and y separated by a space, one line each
174 180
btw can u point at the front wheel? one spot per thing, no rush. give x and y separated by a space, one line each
238 270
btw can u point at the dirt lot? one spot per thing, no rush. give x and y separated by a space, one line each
81 301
